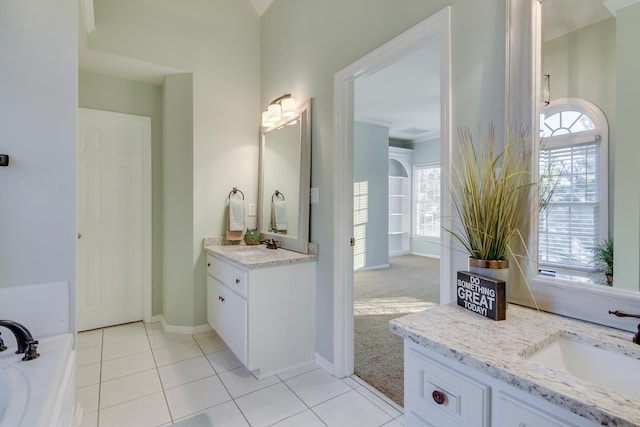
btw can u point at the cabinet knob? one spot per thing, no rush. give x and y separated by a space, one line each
439 397
237 281
221 298
208 264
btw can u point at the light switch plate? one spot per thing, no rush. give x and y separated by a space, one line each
252 209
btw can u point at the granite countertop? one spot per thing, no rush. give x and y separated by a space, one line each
265 257
499 350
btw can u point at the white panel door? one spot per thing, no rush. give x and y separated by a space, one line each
111 262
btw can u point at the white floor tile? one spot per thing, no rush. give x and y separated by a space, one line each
88 356
89 339
317 386
223 361
196 396
350 382
125 348
127 365
153 328
127 388
176 353
185 371
226 415
124 332
166 340
205 334
380 401
87 375
241 381
270 405
298 370
89 420
306 419
146 411
351 410
88 397
211 344
393 423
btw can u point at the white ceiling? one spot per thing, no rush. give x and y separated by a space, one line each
561 17
260 5
404 96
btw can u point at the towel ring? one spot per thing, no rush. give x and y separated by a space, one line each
235 191
277 194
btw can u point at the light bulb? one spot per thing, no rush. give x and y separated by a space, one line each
288 107
265 119
275 113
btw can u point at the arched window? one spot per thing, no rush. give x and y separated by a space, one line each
573 169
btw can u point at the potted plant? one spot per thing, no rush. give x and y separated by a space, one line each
490 190
603 259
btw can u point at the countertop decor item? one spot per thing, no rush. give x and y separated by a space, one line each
252 236
490 188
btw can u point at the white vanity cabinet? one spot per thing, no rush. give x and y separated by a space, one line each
441 392
266 315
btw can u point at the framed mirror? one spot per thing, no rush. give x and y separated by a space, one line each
534 78
285 181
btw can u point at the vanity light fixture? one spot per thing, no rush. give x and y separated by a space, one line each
281 107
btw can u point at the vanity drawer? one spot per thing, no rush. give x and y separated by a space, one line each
515 412
233 277
436 394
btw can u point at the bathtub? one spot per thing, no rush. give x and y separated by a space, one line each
39 392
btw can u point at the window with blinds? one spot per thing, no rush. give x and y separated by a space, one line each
568 225
573 218
427 200
360 219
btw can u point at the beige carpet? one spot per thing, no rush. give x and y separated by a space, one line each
410 284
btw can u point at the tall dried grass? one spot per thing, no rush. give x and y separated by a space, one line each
489 192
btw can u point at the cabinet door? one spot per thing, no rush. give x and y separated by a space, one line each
514 412
228 316
435 393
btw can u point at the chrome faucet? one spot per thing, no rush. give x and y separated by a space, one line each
26 343
636 337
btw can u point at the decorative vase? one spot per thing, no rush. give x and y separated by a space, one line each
494 269
252 236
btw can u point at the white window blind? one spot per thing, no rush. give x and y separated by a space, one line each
427 200
569 224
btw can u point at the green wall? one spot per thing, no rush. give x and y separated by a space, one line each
627 173
108 93
371 164
218 44
323 37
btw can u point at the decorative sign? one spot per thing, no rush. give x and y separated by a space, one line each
482 295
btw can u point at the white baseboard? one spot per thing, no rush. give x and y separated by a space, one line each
324 364
174 329
426 255
374 267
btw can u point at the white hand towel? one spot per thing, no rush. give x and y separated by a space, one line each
236 214
280 214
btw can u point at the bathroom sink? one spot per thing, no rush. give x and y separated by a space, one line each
606 368
250 251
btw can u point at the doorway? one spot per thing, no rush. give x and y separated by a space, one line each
113 219
432 30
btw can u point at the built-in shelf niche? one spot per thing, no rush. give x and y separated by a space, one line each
399 200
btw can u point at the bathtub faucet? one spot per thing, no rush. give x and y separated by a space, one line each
26 343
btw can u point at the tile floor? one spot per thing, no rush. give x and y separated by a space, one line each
138 375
